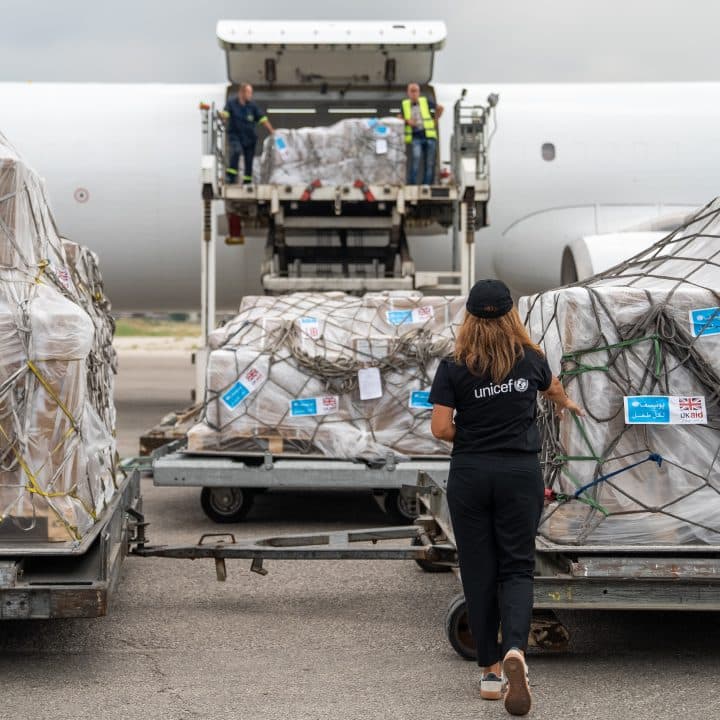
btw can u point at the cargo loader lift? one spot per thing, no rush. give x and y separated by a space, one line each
229 482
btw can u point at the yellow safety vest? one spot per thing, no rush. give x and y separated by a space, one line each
428 121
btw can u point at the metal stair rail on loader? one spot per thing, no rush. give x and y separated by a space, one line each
43 580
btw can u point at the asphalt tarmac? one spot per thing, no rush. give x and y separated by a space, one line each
317 639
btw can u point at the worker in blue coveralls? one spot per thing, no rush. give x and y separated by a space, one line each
242 116
420 116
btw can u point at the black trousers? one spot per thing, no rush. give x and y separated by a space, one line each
495 504
248 152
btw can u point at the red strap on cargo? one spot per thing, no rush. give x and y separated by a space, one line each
365 190
309 188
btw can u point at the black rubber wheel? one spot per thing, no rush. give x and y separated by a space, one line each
457 629
402 509
226 505
427 565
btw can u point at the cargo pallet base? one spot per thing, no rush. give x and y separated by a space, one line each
42 580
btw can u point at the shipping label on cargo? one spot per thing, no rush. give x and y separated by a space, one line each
420 400
665 410
370 383
705 321
281 147
310 326
407 317
248 381
323 405
381 146
377 127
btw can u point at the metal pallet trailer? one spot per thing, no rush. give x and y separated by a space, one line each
230 483
567 577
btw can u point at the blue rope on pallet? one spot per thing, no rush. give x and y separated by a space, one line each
654 457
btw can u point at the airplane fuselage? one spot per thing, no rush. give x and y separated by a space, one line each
121 163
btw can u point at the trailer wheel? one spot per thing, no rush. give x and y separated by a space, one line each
401 508
457 628
427 565
226 505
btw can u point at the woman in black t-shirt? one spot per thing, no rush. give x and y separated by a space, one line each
485 402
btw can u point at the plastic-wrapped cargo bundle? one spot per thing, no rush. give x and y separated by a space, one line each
369 149
639 347
332 374
57 419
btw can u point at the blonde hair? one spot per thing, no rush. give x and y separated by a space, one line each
492 346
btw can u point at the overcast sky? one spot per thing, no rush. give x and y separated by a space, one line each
496 41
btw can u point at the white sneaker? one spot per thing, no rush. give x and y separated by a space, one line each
517 699
492 687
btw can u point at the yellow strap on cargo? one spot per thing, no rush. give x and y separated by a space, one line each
41 270
34 487
53 394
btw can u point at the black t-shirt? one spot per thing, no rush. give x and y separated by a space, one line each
490 416
242 124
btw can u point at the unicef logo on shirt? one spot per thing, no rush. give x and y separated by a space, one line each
521 384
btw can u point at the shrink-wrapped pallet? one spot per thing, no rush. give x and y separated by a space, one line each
284 375
57 419
367 149
623 342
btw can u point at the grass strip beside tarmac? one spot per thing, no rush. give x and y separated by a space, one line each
147 327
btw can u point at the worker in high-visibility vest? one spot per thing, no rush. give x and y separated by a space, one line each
420 115
242 116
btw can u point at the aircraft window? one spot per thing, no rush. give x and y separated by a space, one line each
548 152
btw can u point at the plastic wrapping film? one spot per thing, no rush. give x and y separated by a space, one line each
367 149
57 418
283 375
628 332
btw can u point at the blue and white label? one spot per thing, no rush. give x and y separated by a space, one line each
410 317
281 146
665 410
235 395
705 321
248 381
306 407
310 326
420 400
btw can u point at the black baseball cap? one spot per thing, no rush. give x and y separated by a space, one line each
489 299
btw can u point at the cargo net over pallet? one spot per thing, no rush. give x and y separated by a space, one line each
328 374
638 347
371 150
57 418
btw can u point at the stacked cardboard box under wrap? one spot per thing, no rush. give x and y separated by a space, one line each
627 332
367 149
57 417
284 356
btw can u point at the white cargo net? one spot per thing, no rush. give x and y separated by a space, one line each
638 347
57 418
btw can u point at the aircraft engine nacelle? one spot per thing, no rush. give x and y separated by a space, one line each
593 254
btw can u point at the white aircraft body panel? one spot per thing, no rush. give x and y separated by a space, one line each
122 162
